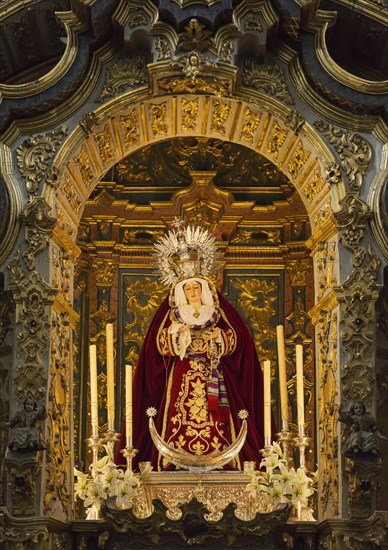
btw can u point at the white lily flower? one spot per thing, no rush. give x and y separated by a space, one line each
81 484
94 494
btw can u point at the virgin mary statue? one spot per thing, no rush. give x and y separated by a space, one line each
198 367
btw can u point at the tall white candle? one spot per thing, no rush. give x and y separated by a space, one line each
93 388
128 405
300 386
282 376
267 403
110 376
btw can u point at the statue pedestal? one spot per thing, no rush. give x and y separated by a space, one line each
181 508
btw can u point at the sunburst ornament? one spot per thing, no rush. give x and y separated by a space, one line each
185 252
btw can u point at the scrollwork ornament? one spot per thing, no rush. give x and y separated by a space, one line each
163 48
268 79
88 122
352 220
34 154
354 151
123 75
226 51
39 225
294 121
16 271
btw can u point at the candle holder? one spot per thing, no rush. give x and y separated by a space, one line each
301 442
111 435
129 453
95 442
285 438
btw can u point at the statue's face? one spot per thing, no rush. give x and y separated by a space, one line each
29 405
193 292
358 408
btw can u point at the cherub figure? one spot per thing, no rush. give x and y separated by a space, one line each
364 433
25 435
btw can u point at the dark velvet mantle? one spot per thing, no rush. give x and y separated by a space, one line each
243 379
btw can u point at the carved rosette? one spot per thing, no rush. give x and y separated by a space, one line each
34 154
39 224
33 298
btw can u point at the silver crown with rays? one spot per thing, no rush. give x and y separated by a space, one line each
186 251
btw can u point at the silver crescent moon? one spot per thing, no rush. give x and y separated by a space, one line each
198 463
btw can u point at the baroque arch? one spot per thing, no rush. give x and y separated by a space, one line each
257 122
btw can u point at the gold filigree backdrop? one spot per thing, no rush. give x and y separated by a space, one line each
264 268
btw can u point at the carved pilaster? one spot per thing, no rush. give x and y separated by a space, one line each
33 298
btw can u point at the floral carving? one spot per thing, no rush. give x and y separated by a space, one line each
250 125
268 79
221 110
34 154
123 75
354 151
33 299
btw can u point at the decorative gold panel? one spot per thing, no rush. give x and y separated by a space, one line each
250 125
221 111
130 125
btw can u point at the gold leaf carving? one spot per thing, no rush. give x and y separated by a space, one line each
130 127
327 420
326 258
221 112
71 194
263 236
257 300
63 222
34 154
313 187
83 163
143 298
203 215
322 215
189 114
298 159
124 75
104 271
58 482
276 141
190 86
251 123
104 144
299 271
143 235
158 118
